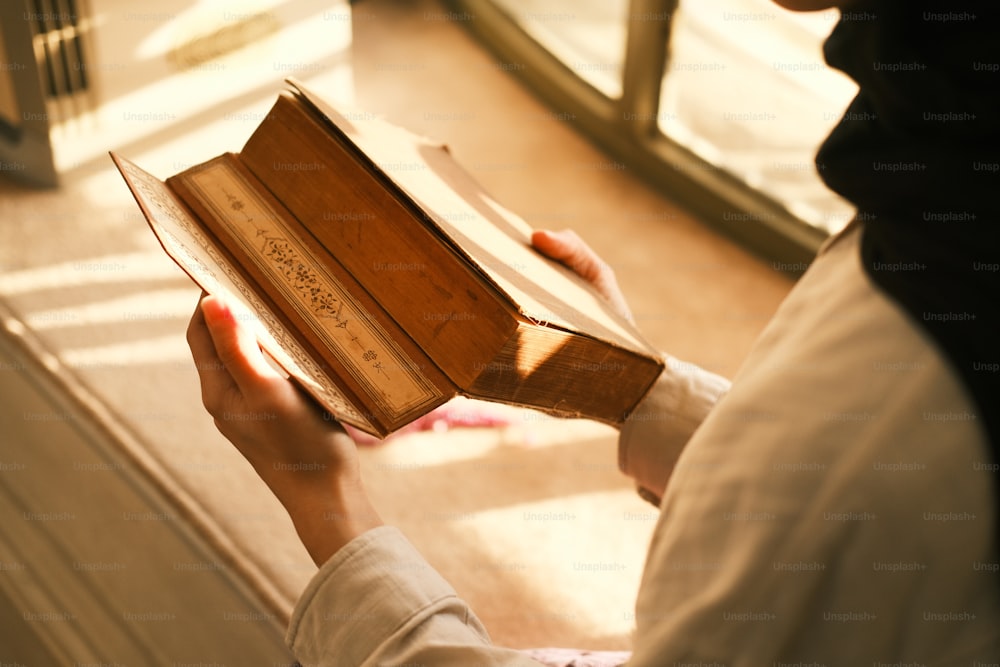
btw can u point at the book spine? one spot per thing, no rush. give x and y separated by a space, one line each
568 376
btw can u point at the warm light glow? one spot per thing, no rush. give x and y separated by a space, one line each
99 270
148 96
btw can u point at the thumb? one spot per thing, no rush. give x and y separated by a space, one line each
236 346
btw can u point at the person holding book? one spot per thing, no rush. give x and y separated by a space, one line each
836 503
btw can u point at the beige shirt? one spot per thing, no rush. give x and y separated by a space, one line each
831 507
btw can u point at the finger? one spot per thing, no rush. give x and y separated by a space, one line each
236 347
549 243
216 381
567 247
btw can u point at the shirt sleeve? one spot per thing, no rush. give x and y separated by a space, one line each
378 602
656 432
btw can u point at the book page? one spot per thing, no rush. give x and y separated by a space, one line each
197 254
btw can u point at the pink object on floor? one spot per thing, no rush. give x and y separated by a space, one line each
457 413
567 657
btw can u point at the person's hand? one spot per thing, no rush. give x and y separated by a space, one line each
567 247
305 457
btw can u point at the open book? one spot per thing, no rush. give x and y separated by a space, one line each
382 278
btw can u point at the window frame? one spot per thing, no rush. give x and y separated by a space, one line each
754 219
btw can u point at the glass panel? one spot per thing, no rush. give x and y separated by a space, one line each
588 36
747 89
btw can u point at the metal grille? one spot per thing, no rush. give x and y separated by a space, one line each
59 33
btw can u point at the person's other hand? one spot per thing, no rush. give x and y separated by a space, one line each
305 458
567 247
